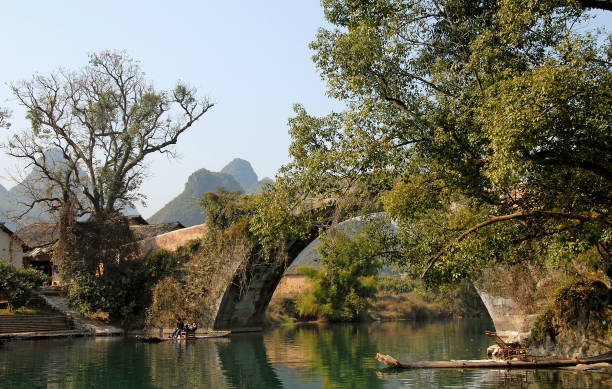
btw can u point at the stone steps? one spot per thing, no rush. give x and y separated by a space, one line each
34 323
42 335
50 290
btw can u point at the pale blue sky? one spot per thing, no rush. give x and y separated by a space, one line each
250 58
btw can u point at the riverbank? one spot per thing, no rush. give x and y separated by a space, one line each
397 299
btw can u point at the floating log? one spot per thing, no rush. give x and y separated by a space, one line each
487 364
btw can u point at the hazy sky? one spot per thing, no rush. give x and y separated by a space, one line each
250 58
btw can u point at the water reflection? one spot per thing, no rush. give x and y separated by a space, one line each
337 356
326 356
245 364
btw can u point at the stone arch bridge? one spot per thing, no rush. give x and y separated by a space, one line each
242 308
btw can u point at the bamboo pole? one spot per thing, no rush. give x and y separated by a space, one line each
513 364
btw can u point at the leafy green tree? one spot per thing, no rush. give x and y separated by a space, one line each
482 126
342 287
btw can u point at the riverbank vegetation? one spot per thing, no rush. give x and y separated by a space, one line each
395 298
578 320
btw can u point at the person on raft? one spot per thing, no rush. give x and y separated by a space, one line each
192 328
179 327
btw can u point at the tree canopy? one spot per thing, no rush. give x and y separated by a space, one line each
482 127
105 119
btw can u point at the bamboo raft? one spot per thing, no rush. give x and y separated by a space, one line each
487 364
157 339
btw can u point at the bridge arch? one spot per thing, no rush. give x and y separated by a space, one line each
243 309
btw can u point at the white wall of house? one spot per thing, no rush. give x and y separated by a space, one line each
10 249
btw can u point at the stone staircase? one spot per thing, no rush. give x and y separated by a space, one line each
35 323
50 290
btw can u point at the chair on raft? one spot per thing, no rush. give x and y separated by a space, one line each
506 349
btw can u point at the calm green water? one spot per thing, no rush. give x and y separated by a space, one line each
332 356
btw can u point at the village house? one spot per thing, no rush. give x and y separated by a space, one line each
39 239
11 247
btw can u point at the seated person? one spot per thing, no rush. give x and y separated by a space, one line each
193 327
179 327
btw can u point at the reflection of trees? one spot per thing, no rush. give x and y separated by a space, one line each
553 378
245 364
109 363
342 355
69 363
439 340
336 355
185 364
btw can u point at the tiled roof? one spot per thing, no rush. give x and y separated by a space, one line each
45 234
142 232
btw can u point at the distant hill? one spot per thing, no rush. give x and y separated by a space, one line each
3 207
3 192
258 186
236 176
242 171
184 207
12 200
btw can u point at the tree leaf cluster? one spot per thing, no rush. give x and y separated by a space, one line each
481 127
344 285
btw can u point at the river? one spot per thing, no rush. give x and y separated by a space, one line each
306 356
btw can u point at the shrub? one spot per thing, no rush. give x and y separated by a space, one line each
583 306
17 285
397 285
124 289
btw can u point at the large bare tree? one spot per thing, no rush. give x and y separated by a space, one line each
104 119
